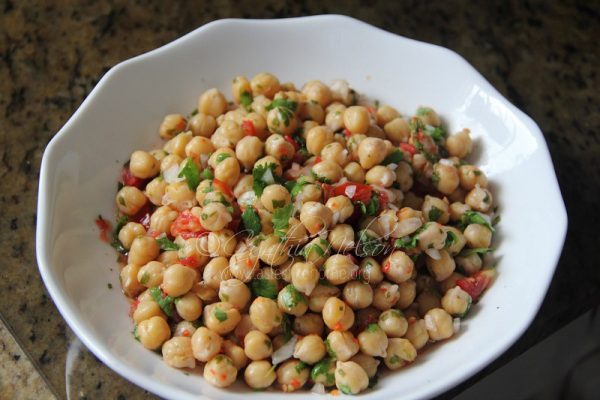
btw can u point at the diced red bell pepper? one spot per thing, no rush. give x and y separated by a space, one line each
104 227
293 142
347 132
129 180
133 306
187 225
248 127
476 284
191 261
223 188
383 200
361 193
409 148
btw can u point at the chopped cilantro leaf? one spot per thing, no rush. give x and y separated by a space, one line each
206 174
393 158
450 239
373 328
278 203
222 156
290 297
286 109
435 179
251 221
367 245
246 100
264 288
345 388
479 250
301 366
394 359
286 327
190 173
329 349
434 214
263 176
372 207
473 217
298 185
164 302
313 247
166 244
281 219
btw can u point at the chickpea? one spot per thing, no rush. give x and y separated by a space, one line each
397 130
189 307
311 192
244 266
317 138
171 125
259 374
393 323
130 200
291 375
398 267
244 185
308 324
471 176
337 315
143 165
456 240
371 152
366 362
342 345
460 144
178 280
341 205
380 175
216 271
353 144
265 314
235 292
350 377
478 236
428 116
215 216
221 317
220 371
404 176
202 125
470 264
310 349
248 150
147 309
143 250
445 178
317 92
185 329
334 116
320 295
257 346
479 199
212 102
275 196
177 145
327 171
370 271
155 190
305 277
272 252
373 341
179 196
315 217
386 114
235 353
457 209
443 267
265 84
357 294
417 333
281 121
340 269
240 85
295 233
408 292
177 352
435 209
335 152
205 344
129 232
153 332
198 146
456 302
399 353
291 301
341 237
439 324
385 296
266 161
151 274
221 243
432 237
356 119
129 281
171 161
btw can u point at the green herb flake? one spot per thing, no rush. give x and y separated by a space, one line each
263 176
251 221
263 288
220 314
451 238
286 328
329 349
434 213
246 100
323 367
367 245
345 388
222 156
278 203
373 328
194 112
421 111
301 366
473 217
298 186
496 220
164 302
136 336
290 297
372 207
122 201
166 244
206 174
394 359
190 173
479 250
145 278
393 158
281 218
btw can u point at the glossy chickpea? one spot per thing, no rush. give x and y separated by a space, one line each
370 271
471 176
266 161
439 324
341 208
435 209
221 243
311 192
417 333
147 309
337 315
358 295
235 292
353 144
441 268
456 302
151 274
367 363
335 152
317 138
220 371
129 281
398 267
235 353
143 250
295 233
399 353
265 314
129 232
243 186
315 217
446 178
479 199
385 296
393 323
291 301
255 124
478 236
457 209
216 271
143 165
171 161
340 269
215 216
155 190
341 237
248 150
386 114
308 324
456 239
240 85
171 125
257 346
272 252
318 92
432 237
265 84
179 196
470 264
334 118
373 341
205 344
176 146
198 146
380 175
350 377
189 307
320 295
130 200
312 112
310 349
407 291
275 196
460 144
244 266
178 280
404 176
327 171
342 344
371 152
397 130
290 376
185 329
153 332
221 317
428 116
202 125
305 277
177 352
259 375
356 119
212 102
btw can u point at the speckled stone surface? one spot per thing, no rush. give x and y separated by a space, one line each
543 56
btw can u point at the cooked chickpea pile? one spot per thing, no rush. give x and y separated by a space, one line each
301 237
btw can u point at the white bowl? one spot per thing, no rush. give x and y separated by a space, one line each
82 162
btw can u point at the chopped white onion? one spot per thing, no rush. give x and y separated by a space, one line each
433 253
204 160
323 234
340 90
456 325
392 166
393 207
170 174
350 191
429 324
445 161
343 180
487 218
284 352
318 388
268 177
407 226
335 219
247 198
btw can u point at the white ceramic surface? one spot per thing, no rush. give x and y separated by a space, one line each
81 165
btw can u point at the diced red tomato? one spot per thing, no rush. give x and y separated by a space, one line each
383 200
361 193
386 267
409 148
191 261
133 306
223 188
104 227
347 132
186 333
187 225
317 159
153 233
338 326
476 284
143 215
295 383
371 110
248 127
293 142
129 180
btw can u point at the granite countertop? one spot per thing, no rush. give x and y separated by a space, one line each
544 57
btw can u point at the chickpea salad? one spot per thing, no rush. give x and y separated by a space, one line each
301 238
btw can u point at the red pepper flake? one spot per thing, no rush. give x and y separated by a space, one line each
412 320
186 333
347 132
187 225
212 371
129 179
409 148
191 261
249 262
355 340
338 327
153 233
335 392
134 305
386 267
248 127
223 376
317 159
371 110
223 188
293 142
295 383
104 227
383 289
